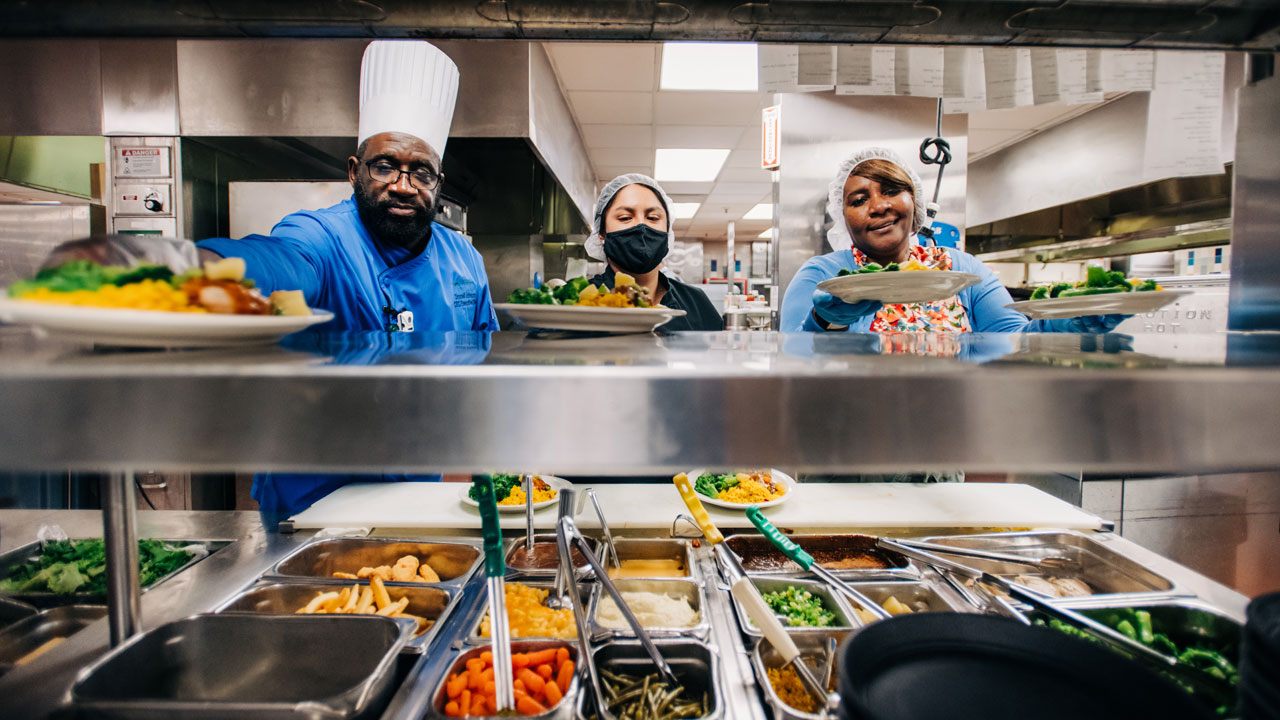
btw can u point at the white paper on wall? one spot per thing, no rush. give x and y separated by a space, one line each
1073 69
1123 71
873 63
778 67
918 71
975 83
1044 75
1008 77
816 68
955 72
1184 115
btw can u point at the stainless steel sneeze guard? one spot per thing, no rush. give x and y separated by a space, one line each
342 403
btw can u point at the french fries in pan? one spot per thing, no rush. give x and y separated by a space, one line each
372 599
406 569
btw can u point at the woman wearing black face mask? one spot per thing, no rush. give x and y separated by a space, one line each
632 233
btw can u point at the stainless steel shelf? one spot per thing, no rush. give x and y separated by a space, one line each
460 402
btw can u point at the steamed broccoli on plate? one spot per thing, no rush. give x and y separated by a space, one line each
1098 281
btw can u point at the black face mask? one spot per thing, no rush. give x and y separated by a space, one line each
637 249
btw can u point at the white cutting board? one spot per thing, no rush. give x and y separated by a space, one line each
814 506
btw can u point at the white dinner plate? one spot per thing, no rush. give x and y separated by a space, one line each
147 328
1125 303
903 286
778 476
556 484
600 319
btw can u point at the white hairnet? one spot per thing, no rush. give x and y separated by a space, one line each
838 236
595 241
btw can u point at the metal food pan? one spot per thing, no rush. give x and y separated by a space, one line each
32 633
695 664
516 546
429 601
682 588
246 665
1184 620
1103 569
813 650
921 597
452 561
473 637
658 549
564 710
30 551
761 558
844 616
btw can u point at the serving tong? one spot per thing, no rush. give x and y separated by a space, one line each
495 570
745 591
1048 563
1165 663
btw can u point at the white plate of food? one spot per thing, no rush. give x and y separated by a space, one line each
897 287
784 486
591 319
1120 303
555 485
154 328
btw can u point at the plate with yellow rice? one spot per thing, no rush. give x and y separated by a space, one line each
545 492
590 319
739 489
152 328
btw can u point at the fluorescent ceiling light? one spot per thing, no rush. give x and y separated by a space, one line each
684 211
762 211
688 165
768 234
709 66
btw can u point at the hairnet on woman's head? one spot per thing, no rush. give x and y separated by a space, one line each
838 236
595 241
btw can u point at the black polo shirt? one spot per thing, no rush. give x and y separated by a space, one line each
700 312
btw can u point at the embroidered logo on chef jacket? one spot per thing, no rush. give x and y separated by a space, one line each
465 294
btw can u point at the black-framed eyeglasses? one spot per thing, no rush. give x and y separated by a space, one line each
421 178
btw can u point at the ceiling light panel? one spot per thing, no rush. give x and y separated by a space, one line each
688 164
763 211
684 210
709 66
767 234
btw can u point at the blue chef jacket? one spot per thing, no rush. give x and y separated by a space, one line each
339 266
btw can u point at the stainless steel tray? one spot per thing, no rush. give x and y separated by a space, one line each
246 665
453 561
473 636
541 539
428 601
913 594
1105 570
845 619
658 549
30 551
562 711
683 588
761 558
695 664
813 651
23 637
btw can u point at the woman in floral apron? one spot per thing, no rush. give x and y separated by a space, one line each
877 203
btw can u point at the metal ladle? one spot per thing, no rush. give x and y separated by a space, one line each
569 529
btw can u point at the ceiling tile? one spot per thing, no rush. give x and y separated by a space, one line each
744 159
638 157
591 106
983 141
696 136
605 173
687 188
605 66
751 140
707 108
618 136
746 175
1027 117
743 188
717 198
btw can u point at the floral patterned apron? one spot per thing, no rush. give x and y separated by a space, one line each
936 316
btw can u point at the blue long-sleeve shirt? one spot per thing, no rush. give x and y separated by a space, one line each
984 302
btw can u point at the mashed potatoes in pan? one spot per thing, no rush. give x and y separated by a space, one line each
653 610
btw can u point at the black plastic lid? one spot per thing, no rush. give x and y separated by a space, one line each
945 666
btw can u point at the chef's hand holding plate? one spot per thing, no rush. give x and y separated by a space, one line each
1097 324
836 312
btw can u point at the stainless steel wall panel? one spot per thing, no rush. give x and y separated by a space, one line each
29 232
493 88
555 136
139 87
820 130
1255 207
303 88
50 87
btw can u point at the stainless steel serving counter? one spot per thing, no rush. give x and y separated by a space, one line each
39 688
637 404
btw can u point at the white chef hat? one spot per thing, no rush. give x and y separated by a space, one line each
838 236
595 241
407 86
